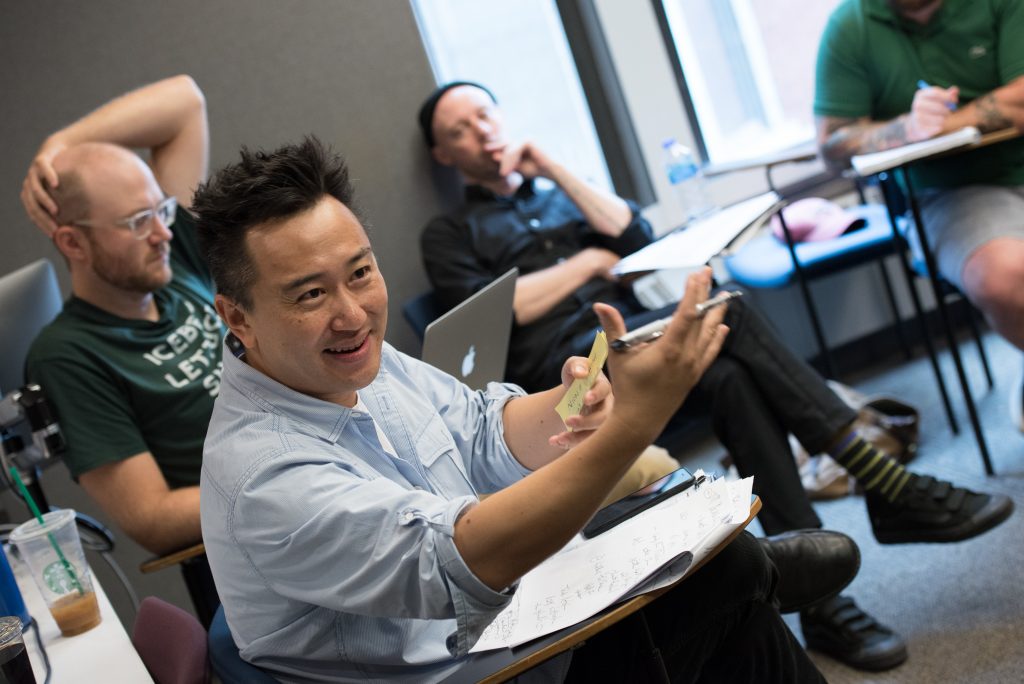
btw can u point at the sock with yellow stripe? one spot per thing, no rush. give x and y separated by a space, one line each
875 471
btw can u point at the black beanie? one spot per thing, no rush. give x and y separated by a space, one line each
426 115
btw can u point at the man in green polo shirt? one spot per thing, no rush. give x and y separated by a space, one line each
132 364
892 72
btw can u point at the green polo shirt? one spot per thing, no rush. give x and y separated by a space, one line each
122 386
870 60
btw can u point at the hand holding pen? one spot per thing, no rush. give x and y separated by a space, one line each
930 110
655 329
651 381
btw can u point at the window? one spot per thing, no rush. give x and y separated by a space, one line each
518 49
747 69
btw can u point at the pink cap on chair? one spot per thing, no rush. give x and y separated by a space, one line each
815 218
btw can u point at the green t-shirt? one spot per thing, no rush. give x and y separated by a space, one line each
870 60
121 387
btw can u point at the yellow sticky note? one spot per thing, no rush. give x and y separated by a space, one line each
572 403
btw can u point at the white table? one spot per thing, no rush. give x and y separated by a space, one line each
103 654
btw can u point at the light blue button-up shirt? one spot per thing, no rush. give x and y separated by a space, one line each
335 560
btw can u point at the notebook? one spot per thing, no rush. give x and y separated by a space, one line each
471 341
868 164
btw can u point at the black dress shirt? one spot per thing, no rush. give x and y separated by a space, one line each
532 229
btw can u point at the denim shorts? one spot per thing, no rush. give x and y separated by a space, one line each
960 220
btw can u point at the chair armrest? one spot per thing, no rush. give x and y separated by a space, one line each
173 558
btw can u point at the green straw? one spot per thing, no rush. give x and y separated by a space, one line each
39 516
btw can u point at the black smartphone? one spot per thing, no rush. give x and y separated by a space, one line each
640 500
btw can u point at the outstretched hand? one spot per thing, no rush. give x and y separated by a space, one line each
35 189
597 404
653 379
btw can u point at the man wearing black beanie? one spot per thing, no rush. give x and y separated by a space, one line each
564 240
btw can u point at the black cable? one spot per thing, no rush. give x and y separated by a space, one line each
42 649
132 596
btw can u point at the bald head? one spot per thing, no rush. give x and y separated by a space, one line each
92 177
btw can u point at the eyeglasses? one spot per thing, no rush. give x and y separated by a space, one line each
141 223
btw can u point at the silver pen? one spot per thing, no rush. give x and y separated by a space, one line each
655 329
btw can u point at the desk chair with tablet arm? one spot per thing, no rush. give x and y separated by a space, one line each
29 299
768 263
765 262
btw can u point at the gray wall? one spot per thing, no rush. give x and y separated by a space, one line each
351 71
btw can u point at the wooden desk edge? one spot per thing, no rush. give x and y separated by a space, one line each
161 562
986 139
997 136
614 614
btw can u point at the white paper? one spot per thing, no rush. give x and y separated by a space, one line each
695 245
868 164
590 575
739 494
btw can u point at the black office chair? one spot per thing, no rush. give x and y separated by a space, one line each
421 311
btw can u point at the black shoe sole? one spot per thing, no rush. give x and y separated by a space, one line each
996 511
877 663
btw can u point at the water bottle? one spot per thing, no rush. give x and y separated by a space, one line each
686 178
11 602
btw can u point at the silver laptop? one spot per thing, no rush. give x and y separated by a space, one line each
471 341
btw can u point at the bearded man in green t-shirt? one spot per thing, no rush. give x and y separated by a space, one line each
132 364
892 72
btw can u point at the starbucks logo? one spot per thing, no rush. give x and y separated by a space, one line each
57 578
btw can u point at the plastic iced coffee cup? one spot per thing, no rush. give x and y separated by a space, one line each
53 553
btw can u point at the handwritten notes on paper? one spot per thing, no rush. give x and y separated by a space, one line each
590 575
572 403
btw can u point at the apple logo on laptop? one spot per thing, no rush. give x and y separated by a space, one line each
468 361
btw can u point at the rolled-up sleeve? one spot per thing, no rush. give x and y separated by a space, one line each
636 235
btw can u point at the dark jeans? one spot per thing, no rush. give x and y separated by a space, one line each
719 625
756 392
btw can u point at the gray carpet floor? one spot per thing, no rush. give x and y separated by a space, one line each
959 606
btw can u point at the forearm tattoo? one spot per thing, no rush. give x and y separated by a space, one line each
989 116
847 137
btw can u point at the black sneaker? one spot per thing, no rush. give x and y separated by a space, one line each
837 627
930 510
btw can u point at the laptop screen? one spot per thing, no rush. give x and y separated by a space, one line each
470 342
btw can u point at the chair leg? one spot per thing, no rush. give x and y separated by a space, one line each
972 410
972 321
922 321
812 312
894 308
201 589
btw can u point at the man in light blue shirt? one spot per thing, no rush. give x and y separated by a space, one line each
341 479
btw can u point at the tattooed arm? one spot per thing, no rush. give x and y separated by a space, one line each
994 111
841 138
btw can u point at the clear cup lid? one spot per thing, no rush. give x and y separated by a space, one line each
31 529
